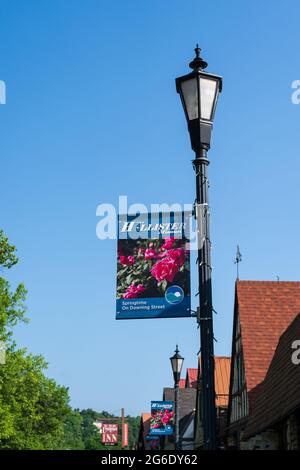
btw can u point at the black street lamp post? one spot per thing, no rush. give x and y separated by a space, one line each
176 362
199 92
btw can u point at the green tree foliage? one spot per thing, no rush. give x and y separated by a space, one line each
33 408
133 429
73 432
12 308
7 252
90 434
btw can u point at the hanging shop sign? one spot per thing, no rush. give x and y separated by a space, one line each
124 434
110 434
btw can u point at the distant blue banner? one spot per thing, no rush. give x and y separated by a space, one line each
153 273
162 418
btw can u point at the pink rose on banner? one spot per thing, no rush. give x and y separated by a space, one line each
163 254
166 417
123 259
168 266
133 291
166 269
168 243
127 260
150 253
178 255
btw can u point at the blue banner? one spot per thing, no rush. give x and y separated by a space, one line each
162 418
153 272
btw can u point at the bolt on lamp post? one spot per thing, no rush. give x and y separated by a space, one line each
199 92
176 362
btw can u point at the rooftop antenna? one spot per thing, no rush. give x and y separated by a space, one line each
238 259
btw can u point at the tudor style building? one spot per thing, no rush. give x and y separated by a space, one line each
263 310
277 408
239 403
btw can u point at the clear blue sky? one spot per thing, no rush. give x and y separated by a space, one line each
91 114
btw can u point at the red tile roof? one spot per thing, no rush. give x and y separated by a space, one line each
191 378
279 393
266 308
182 383
222 377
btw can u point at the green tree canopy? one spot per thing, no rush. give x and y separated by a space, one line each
7 252
12 307
73 432
33 408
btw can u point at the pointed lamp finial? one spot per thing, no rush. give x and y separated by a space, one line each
198 63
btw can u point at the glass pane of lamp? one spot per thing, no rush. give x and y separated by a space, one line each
207 95
180 363
190 97
177 364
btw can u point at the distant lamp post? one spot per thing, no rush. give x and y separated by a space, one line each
176 362
199 93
